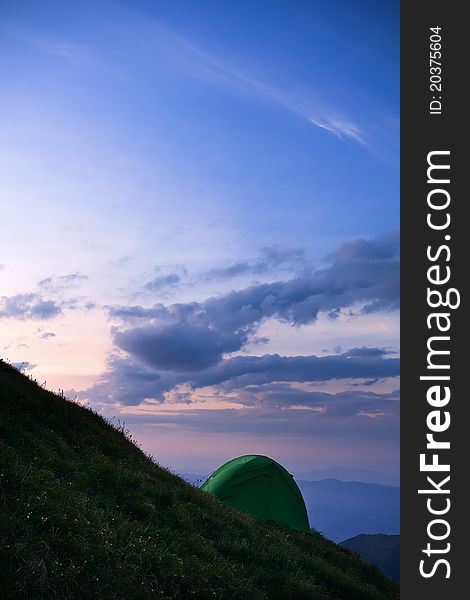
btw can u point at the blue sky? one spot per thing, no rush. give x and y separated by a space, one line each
202 179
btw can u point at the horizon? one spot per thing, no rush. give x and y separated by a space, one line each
200 224
333 474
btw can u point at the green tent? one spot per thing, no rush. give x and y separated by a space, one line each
261 487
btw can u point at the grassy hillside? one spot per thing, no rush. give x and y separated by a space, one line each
85 514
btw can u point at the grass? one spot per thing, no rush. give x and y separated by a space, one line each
85 514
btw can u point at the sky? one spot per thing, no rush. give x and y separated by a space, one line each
199 219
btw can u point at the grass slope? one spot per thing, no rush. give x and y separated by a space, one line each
85 514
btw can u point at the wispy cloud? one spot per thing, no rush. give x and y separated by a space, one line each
73 53
185 56
342 129
306 103
62 282
191 59
270 259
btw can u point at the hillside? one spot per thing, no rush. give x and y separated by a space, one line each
381 550
85 514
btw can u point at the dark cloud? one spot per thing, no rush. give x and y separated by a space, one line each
384 247
247 370
28 306
129 380
195 336
267 407
189 343
129 313
346 404
178 347
175 353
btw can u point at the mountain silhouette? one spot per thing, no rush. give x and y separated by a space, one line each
379 549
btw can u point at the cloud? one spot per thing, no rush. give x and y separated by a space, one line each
131 379
47 335
266 392
191 342
340 128
177 350
178 347
353 416
56 284
64 289
120 262
248 370
342 404
28 306
305 103
272 257
358 271
71 52
163 283
127 382
191 60
133 312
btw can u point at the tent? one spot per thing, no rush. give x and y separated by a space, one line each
261 487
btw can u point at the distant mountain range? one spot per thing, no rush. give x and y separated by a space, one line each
349 474
344 509
381 550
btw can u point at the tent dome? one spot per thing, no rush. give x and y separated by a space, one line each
261 487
